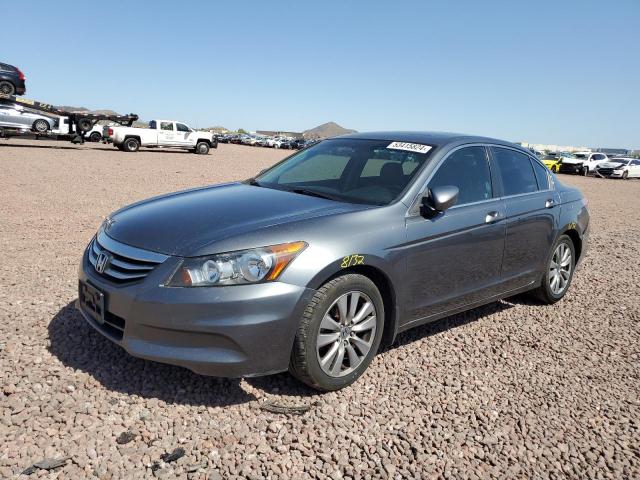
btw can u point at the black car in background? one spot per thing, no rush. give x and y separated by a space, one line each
11 80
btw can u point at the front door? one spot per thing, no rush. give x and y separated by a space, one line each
184 135
454 259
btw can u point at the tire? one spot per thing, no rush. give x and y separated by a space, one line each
41 126
202 148
554 169
85 124
349 345
625 175
7 88
95 137
545 292
131 145
585 171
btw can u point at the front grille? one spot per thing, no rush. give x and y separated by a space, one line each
123 263
605 171
570 168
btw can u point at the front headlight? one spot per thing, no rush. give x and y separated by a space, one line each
256 265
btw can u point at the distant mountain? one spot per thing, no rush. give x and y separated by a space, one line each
86 110
330 129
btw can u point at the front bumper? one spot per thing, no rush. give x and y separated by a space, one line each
235 331
570 168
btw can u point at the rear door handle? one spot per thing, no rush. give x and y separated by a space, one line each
492 217
549 203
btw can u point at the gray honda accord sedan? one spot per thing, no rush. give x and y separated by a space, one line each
316 262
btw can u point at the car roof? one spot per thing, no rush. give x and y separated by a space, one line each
429 138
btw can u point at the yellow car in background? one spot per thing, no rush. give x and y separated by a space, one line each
552 162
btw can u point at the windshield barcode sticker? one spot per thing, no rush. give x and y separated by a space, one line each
410 147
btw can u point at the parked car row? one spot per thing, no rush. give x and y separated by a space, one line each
266 141
596 163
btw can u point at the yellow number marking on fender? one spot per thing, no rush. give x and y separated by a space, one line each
351 260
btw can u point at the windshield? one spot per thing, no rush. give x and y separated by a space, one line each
620 163
353 170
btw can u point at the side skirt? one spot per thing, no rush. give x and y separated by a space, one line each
469 306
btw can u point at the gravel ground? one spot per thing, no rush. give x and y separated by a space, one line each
509 390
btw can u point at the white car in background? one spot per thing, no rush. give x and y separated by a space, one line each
619 168
95 134
590 160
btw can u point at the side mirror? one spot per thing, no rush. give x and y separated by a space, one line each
439 199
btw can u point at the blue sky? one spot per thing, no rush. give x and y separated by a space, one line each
564 72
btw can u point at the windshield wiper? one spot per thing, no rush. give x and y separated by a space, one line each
315 193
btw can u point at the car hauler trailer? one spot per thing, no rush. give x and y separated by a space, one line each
78 122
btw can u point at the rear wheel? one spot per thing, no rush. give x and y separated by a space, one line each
41 126
559 272
339 333
7 88
202 148
131 145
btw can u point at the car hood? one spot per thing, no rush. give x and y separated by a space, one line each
610 165
186 222
572 161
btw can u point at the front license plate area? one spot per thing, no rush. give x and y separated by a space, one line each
91 301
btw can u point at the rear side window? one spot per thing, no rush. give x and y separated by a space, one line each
166 125
468 169
542 175
515 170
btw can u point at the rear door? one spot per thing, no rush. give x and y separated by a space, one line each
531 207
454 258
167 134
635 168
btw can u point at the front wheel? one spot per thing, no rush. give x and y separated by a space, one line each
95 137
41 126
625 175
585 171
558 273
202 148
131 145
339 333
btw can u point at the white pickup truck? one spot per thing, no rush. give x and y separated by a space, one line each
161 133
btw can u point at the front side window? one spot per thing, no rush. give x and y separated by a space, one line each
542 175
353 170
468 169
182 127
166 126
515 170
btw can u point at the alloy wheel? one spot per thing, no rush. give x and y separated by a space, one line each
560 269
6 88
346 334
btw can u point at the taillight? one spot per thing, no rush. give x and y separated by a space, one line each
111 132
20 74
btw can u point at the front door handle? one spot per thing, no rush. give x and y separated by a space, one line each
549 203
492 217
